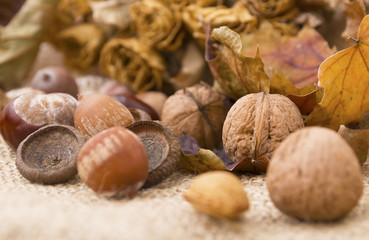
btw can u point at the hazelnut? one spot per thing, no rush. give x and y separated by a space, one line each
49 155
28 112
199 112
113 163
255 125
154 99
113 87
315 175
218 194
96 112
55 79
162 148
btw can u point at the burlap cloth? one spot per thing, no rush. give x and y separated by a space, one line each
72 211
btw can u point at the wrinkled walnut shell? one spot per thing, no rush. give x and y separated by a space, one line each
315 175
197 111
256 124
49 155
162 148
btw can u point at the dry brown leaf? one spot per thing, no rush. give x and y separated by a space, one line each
345 79
235 74
355 12
305 98
297 58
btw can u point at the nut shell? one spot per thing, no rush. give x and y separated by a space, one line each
97 112
256 124
113 163
162 148
199 112
315 175
218 194
49 155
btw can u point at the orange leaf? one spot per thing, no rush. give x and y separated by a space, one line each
296 57
345 79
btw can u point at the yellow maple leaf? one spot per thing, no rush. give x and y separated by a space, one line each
345 79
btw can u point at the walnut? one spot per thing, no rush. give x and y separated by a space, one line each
255 125
315 175
198 111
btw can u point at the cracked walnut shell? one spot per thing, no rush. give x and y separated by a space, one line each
255 125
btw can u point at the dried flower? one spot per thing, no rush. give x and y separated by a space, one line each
238 18
81 45
133 63
157 25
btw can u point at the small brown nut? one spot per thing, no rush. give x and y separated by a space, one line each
96 112
49 155
113 163
199 112
315 175
255 125
218 194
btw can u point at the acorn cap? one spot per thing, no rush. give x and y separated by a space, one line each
49 155
162 148
139 115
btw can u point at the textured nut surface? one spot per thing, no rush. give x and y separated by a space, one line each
218 194
269 8
97 112
315 175
113 162
39 109
197 111
257 123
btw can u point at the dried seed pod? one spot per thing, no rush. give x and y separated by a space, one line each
162 148
218 194
269 8
97 112
199 112
139 115
49 155
315 175
255 126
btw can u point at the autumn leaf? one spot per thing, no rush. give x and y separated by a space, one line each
235 73
345 79
358 140
20 40
296 57
196 159
305 98
355 12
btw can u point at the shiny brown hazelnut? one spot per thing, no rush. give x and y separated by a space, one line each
113 163
113 87
28 112
49 155
162 148
55 79
96 112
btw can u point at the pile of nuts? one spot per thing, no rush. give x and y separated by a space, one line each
119 144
